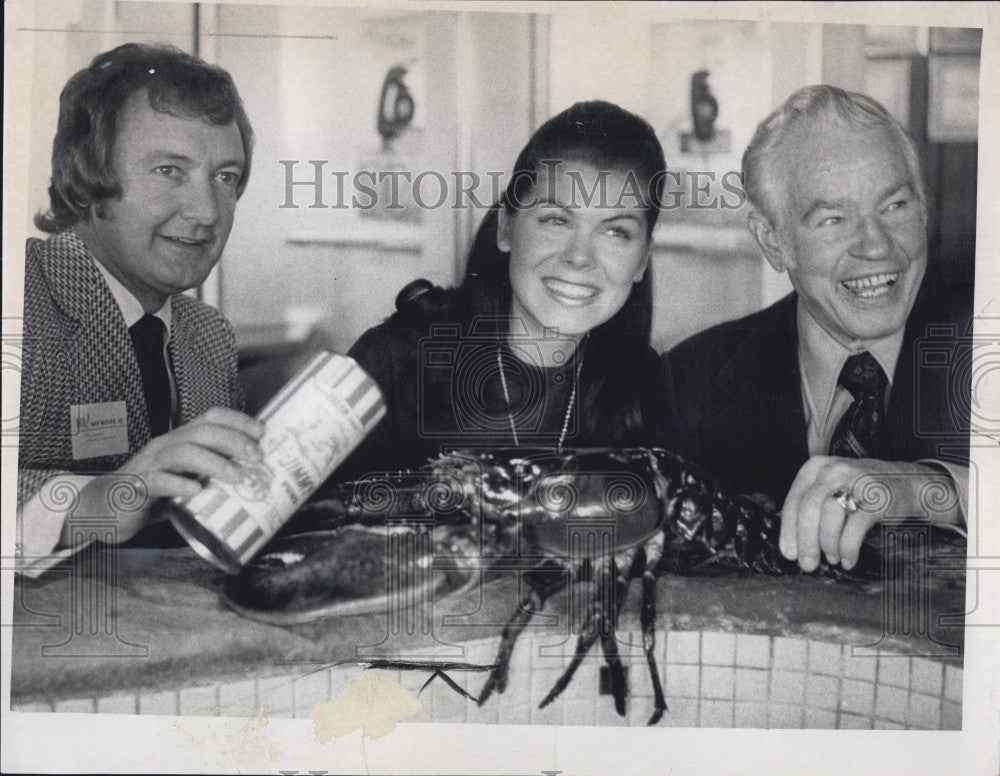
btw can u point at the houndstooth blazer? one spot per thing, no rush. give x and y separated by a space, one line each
77 350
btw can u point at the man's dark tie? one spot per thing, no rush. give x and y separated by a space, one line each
147 339
856 433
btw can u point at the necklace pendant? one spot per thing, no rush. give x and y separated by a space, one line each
510 412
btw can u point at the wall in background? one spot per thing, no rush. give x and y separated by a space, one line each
311 79
67 35
287 268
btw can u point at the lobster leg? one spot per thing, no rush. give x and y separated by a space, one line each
608 621
603 611
543 581
585 640
619 686
647 619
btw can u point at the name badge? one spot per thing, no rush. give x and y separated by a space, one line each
98 429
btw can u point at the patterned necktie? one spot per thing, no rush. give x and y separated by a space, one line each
855 435
147 340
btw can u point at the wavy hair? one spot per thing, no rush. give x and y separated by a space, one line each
90 105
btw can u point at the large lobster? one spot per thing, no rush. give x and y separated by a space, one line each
563 517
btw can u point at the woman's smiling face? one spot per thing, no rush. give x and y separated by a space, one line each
576 248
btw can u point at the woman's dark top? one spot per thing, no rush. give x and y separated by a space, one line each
444 391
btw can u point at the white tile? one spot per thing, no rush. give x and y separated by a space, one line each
718 649
510 714
576 711
894 670
425 714
32 707
750 715
854 722
482 651
309 690
924 712
683 712
487 714
859 666
75 706
118 704
198 701
783 715
443 700
556 659
824 658
518 692
638 711
660 650
891 703
927 676
752 685
718 682
445 707
788 687
884 724
951 716
641 710
857 697
790 654
753 650
277 695
820 719
639 681
543 680
683 647
550 715
822 692
606 715
341 676
682 681
716 714
238 699
158 703
953 683
584 687
411 681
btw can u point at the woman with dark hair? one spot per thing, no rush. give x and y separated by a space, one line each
546 341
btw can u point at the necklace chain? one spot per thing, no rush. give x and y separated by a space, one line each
569 407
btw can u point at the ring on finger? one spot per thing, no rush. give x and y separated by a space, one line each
846 500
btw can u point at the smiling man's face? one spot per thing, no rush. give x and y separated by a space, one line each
179 180
849 229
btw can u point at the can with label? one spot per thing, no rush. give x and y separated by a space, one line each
310 428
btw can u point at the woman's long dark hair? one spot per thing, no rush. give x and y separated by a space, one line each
606 137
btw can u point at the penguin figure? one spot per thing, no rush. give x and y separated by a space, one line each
395 106
704 106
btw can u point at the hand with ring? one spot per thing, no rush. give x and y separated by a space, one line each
826 511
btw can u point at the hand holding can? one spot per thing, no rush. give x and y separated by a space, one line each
311 426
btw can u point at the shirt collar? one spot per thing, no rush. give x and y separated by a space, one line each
821 358
131 308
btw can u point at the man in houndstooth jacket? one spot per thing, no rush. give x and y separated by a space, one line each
151 154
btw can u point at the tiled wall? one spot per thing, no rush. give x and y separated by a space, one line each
710 680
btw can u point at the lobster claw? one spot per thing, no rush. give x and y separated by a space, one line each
304 577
